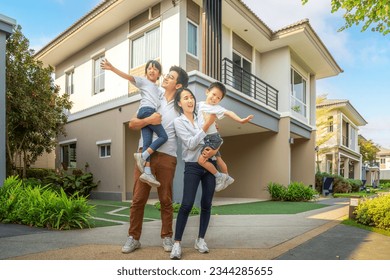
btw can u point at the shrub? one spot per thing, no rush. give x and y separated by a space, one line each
296 191
341 185
38 173
39 206
374 212
277 191
77 182
355 184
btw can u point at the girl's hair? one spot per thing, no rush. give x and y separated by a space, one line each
177 99
155 64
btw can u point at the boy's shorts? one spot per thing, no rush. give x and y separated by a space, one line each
214 141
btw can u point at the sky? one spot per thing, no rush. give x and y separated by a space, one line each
364 56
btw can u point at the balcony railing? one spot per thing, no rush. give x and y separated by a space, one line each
240 79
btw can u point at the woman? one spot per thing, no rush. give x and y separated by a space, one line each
192 135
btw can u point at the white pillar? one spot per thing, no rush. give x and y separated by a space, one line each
6 28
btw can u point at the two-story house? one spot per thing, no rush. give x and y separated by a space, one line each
270 74
383 158
340 154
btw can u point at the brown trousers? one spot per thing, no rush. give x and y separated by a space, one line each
163 167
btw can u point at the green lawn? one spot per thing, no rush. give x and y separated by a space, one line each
116 212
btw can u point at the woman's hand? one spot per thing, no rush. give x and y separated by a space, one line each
208 152
208 121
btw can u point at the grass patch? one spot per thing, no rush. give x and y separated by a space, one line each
350 222
266 207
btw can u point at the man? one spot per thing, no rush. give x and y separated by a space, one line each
163 165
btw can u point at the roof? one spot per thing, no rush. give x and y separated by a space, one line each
346 107
300 38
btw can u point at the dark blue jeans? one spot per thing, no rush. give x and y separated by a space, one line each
193 175
147 131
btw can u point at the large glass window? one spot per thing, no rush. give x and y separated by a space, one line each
98 75
192 39
242 69
298 93
145 47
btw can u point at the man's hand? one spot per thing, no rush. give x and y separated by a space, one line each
138 124
154 119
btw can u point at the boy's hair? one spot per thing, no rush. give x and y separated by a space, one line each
182 76
177 99
155 64
219 86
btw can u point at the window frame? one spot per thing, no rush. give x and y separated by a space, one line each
144 57
106 145
302 101
100 76
69 81
196 26
67 155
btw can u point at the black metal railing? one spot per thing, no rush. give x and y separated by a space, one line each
242 80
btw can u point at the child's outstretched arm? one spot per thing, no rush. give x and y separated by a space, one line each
235 117
106 65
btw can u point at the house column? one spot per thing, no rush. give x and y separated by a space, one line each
6 29
212 38
346 168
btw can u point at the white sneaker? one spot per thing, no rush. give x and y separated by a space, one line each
167 244
149 179
130 245
201 245
220 182
176 251
139 161
229 180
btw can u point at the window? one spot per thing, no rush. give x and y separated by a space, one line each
98 75
192 39
104 148
69 82
105 151
298 93
242 69
330 124
383 160
145 47
68 155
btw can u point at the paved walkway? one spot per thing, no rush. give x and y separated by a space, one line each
312 235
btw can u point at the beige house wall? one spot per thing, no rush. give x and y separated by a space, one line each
116 172
255 160
303 160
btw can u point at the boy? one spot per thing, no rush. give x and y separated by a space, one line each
214 94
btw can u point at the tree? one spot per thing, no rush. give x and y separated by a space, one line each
368 149
35 112
368 12
323 123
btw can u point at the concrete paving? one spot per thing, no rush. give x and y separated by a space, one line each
311 235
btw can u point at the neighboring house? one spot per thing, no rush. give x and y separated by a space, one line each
383 157
340 154
271 75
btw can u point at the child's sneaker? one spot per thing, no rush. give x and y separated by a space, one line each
149 179
229 180
139 161
220 182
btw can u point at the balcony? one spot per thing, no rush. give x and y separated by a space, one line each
247 83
